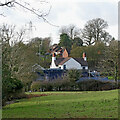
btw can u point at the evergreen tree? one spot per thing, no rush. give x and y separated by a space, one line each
65 41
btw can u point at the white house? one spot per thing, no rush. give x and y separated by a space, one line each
69 62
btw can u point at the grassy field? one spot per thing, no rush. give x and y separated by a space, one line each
0 114
87 104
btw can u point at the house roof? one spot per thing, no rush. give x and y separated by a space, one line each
65 60
60 50
58 60
56 48
61 61
81 61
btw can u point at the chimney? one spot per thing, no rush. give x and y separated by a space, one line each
53 57
84 56
65 54
53 61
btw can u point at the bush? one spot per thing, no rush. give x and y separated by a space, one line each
10 88
35 86
64 84
95 85
41 86
73 75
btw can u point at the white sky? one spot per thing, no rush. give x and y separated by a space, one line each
63 13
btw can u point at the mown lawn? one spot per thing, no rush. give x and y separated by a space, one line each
88 104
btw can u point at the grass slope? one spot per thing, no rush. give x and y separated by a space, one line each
88 104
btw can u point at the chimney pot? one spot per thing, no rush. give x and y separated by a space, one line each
53 55
84 56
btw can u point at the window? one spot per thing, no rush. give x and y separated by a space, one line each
64 67
83 68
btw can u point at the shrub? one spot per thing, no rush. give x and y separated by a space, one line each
35 86
41 86
73 75
10 87
95 85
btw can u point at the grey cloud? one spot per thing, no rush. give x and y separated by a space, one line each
107 11
86 11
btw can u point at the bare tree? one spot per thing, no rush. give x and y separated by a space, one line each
71 30
18 57
94 31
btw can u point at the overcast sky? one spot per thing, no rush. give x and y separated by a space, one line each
63 13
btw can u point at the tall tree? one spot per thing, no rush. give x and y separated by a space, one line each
10 84
94 54
41 46
65 41
23 58
109 63
94 31
74 34
77 42
71 30
45 46
17 57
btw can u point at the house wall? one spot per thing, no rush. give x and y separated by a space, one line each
71 64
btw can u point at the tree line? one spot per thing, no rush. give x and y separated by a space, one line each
94 31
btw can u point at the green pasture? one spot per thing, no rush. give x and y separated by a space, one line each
0 114
87 104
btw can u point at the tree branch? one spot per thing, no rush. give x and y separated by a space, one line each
7 3
32 10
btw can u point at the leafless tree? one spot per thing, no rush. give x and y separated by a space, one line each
94 31
71 30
